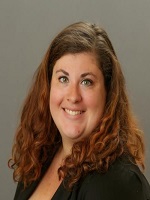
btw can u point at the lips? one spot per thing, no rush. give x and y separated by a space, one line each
73 112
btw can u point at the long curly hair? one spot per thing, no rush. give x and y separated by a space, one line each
37 138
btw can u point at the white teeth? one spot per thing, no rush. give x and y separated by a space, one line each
71 112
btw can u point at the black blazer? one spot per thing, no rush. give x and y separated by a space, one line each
123 181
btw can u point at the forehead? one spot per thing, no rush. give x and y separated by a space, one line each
77 61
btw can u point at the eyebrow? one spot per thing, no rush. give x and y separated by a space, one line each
86 74
82 75
63 71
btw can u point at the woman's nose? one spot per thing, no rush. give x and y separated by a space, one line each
74 94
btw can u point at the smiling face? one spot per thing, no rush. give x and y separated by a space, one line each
77 95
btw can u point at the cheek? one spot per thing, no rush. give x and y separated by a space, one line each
96 101
54 97
95 98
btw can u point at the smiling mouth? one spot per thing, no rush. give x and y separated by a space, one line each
73 112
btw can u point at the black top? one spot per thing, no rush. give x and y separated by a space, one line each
123 181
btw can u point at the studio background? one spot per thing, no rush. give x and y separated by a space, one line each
26 30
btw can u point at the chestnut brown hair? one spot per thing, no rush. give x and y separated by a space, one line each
37 137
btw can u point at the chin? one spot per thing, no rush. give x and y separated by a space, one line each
74 135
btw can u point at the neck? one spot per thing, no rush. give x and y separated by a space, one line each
66 148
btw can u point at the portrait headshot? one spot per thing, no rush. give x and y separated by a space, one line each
77 108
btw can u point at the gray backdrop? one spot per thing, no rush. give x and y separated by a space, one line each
26 29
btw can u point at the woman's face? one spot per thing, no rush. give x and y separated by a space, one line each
77 95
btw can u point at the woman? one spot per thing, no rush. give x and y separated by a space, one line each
77 137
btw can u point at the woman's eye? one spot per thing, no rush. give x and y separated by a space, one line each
87 82
63 79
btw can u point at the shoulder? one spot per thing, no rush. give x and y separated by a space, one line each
22 192
123 180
